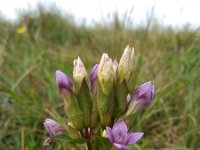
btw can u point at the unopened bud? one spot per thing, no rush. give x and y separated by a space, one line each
53 128
63 82
125 66
105 74
144 94
79 73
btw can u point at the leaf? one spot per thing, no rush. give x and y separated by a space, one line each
66 138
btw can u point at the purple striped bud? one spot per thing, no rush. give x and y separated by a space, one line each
93 74
63 82
145 92
52 127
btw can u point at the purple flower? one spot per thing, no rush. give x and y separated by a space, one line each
52 127
93 74
145 92
63 82
119 136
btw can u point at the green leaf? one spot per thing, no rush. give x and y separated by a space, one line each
66 138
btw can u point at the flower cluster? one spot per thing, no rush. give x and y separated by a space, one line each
101 100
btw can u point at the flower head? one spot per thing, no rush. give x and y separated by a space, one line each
63 82
145 92
21 30
119 136
52 127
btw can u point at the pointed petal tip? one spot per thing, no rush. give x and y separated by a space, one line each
134 137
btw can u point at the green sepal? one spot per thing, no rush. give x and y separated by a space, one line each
105 104
94 112
106 86
72 132
74 112
85 102
121 96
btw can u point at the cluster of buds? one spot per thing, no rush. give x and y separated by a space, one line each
98 101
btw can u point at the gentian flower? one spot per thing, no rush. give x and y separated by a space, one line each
145 92
63 82
119 136
52 127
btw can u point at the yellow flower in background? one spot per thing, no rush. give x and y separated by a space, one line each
21 30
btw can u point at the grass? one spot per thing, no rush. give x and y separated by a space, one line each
28 95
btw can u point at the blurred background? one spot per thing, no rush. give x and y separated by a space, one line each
39 37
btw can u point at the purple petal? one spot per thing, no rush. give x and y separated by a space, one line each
119 126
109 134
134 137
143 89
48 129
93 74
120 146
120 132
63 82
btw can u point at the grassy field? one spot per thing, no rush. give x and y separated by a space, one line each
28 61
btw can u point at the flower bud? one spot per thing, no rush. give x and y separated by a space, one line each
53 128
144 94
81 89
94 111
125 66
93 74
79 73
63 82
105 74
